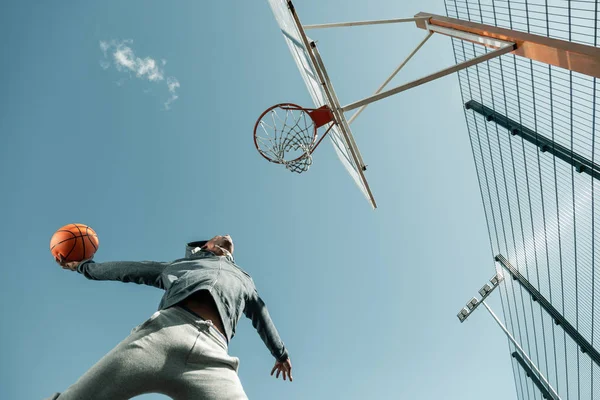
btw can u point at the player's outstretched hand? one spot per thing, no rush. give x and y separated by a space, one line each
72 265
283 367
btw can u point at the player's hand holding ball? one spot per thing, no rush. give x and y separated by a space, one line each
72 244
70 265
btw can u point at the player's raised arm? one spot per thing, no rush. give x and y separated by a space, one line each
140 272
74 245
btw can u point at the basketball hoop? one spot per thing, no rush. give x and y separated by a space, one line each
287 134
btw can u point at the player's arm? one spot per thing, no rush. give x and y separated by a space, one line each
256 310
140 272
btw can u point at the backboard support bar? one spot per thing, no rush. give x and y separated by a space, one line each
500 47
507 48
388 80
569 55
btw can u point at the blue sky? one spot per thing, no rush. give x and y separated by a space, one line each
365 300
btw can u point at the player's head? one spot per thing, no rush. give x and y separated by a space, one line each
220 245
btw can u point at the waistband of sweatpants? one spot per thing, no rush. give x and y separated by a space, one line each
197 320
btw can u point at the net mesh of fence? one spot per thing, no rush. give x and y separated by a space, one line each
540 210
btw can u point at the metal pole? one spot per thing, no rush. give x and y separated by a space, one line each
360 23
432 77
512 339
565 54
357 113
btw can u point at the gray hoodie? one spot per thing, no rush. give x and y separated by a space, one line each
231 287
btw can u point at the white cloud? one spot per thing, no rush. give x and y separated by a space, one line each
168 102
104 47
125 60
173 85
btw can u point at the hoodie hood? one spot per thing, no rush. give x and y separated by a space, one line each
192 245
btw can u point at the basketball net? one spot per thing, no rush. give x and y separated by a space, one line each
287 134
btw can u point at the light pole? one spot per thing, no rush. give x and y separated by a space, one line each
472 305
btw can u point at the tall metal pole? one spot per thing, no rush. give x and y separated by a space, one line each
512 339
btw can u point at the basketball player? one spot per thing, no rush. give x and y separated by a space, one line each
181 351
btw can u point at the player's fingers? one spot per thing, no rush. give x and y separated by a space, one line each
273 370
278 372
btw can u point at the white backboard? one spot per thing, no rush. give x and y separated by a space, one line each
306 55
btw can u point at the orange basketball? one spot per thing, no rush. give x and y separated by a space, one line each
74 242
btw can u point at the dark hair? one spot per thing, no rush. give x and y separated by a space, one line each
198 243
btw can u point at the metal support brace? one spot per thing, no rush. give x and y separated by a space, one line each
357 113
503 47
500 47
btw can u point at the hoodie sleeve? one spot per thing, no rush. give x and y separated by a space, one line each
140 272
256 311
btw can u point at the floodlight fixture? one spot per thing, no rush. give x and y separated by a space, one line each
463 314
495 281
485 290
472 303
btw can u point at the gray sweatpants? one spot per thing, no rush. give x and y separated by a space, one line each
173 353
